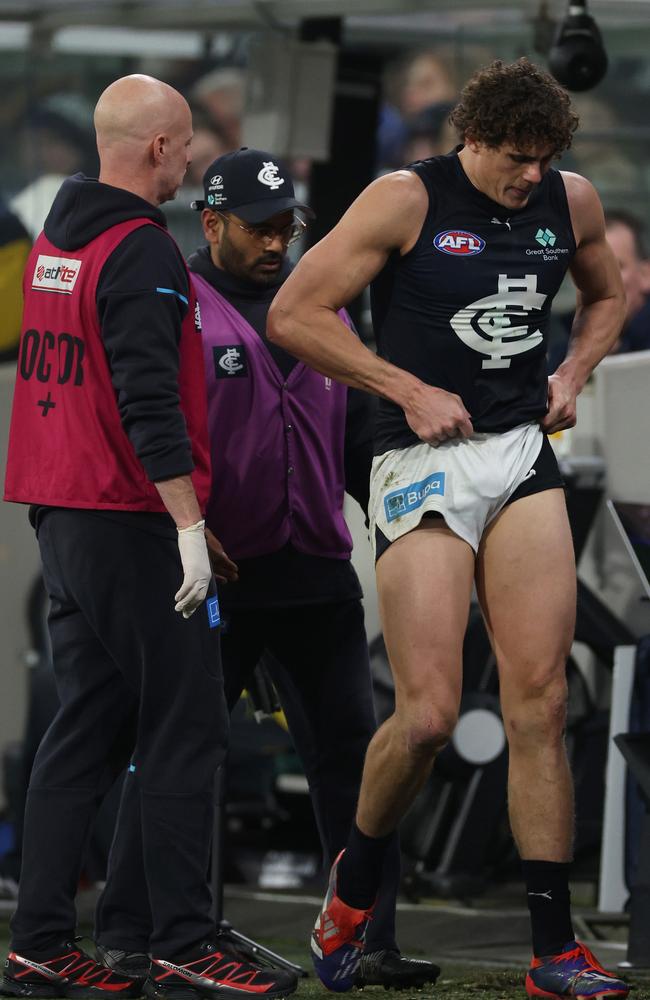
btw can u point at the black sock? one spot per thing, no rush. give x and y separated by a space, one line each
360 869
549 902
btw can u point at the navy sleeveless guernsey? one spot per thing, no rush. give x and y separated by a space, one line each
468 308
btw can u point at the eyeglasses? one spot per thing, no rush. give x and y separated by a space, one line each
266 234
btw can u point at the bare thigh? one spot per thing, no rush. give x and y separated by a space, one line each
526 582
424 580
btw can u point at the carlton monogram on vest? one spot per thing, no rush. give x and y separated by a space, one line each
277 444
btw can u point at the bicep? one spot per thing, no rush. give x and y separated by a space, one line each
593 269
333 272
384 218
595 272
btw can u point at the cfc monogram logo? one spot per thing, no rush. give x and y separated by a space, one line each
268 175
501 326
230 362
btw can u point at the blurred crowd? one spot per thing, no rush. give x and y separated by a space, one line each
52 136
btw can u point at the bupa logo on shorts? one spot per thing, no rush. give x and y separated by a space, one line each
230 362
459 242
197 316
56 274
214 615
407 498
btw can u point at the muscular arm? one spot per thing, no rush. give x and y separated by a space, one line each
600 308
387 216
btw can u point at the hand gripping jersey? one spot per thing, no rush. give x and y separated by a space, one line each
468 308
67 446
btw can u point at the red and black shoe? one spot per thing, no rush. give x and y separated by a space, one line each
65 972
215 970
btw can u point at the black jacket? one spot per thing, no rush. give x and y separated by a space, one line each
140 326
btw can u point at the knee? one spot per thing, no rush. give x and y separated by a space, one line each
426 732
537 711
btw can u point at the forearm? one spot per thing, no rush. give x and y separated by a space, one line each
596 328
179 498
321 339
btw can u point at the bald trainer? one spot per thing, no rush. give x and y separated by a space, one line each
109 447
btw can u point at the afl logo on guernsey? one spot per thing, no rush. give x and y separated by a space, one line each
459 242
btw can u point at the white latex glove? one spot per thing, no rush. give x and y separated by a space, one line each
197 572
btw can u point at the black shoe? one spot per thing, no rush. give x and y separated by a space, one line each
215 971
65 972
393 971
132 964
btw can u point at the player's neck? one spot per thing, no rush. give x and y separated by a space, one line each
469 161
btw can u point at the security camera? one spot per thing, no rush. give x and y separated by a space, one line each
578 59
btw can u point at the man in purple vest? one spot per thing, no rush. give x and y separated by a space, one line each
286 443
109 446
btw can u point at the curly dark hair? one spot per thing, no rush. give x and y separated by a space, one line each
517 103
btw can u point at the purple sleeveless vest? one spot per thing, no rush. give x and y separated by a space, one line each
277 444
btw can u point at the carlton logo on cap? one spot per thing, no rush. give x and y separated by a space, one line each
252 184
269 175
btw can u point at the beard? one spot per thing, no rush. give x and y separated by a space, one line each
235 262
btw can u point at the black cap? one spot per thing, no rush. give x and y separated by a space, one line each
252 184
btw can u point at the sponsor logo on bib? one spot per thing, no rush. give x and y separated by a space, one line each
56 274
459 242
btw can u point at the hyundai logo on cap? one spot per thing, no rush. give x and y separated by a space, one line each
252 184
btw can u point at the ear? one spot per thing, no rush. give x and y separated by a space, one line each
472 143
211 224
159 148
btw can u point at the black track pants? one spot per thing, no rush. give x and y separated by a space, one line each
319 664
127 665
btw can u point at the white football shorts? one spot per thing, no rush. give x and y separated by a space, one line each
466 480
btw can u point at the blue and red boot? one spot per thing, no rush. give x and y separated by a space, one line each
338 938
575 972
